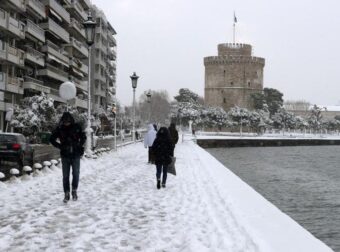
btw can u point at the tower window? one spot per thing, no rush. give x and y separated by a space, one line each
224 100
248 83
232 83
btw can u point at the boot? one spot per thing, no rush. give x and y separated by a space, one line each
74 195
163 185
158 184
67 197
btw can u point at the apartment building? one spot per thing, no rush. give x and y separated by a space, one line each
42 45
104 58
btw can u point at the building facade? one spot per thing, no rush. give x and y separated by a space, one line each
232 76
42 45
104 58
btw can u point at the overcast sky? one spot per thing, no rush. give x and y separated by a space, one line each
165 42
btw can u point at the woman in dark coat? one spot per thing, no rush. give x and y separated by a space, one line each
162 148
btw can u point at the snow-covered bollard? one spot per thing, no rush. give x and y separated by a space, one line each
37 169
46 165
27 171
14 173
2 176
54 165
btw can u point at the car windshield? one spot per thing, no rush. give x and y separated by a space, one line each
7 138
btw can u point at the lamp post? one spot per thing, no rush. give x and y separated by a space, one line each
134 79
89 26
148 98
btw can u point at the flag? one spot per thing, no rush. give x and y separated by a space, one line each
235 19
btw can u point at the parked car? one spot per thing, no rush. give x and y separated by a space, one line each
15 148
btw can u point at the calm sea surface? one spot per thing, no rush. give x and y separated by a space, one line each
304 182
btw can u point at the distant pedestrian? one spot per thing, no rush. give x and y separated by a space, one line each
162 148
149 138
136 135
155 127
71 140
122 135
173 136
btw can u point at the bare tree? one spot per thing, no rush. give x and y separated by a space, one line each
158 110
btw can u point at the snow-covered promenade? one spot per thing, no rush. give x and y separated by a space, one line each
204 208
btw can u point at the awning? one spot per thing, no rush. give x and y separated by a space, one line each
51 57
56 15
77 72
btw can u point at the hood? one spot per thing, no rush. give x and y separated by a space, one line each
163 132
151 127
66 117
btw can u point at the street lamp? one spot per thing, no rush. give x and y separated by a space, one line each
89 26
148 99
134 79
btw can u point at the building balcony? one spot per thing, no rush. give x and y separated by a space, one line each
34 84
77 29
56 30
86 4
77 48
98 76
82 85
18 5
100 61
80 103
53 73
112 40
3 19
100 31
55 53
77 9
57 10
2 106
35 56
100 92
37 7
16 27
79 66
54 94
14 84
34 30
16 56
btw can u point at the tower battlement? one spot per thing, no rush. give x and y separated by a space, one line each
224 60
234 49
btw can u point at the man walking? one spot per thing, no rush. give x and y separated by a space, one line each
71 140
173 136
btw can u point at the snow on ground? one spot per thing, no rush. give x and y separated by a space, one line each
204 208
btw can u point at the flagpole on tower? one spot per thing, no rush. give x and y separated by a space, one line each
234 25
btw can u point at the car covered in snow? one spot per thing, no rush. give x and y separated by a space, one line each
15 148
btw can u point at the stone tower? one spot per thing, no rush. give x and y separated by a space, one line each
232 76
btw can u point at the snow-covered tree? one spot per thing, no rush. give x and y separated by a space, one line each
315 118
35 114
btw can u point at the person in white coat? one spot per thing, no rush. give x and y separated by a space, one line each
149 138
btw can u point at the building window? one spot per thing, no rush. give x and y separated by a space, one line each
248 83
224 100
231 83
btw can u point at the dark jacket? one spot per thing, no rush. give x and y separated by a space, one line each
173 134
71 139
162 147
